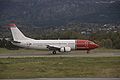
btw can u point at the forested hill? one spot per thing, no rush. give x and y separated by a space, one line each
59 12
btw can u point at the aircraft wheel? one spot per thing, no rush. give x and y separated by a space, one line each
54 52
88 51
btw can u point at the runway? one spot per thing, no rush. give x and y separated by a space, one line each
49 54
68 79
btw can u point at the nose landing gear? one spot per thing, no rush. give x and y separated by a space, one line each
88 51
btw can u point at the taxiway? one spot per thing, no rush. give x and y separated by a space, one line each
49 54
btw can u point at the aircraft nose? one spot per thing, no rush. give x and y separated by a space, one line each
93 45
96 45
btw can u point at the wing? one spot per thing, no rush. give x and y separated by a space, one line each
53 47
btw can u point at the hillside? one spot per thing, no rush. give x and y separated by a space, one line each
59 12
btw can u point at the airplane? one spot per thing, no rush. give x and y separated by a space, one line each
19 39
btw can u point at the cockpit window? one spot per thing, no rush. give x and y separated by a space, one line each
91 42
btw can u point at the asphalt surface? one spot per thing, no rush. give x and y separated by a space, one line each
68 79
49 54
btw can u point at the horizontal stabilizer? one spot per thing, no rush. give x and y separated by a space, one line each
16 42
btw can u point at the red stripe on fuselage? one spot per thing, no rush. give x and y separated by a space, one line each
81 44
85 45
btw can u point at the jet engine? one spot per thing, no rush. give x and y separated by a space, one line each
65 49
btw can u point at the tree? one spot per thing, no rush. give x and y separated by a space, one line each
107 43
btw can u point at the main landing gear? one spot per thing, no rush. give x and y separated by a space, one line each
54 52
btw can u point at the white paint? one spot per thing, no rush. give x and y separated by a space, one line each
38 44
42 44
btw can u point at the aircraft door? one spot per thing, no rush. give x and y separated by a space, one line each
28 44
86 44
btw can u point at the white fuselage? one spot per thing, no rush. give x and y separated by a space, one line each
42 44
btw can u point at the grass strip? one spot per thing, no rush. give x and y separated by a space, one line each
60 67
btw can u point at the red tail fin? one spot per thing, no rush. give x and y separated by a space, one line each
12 25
